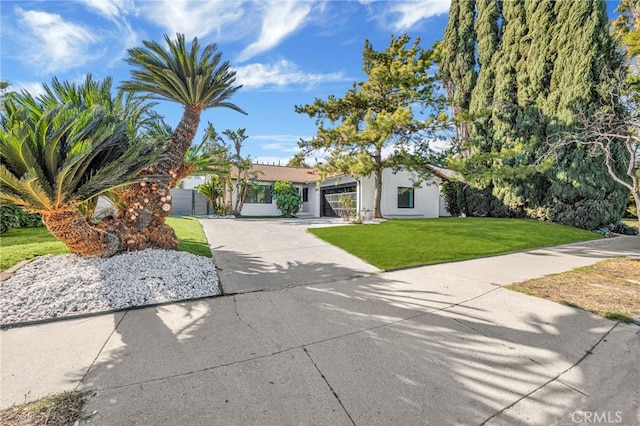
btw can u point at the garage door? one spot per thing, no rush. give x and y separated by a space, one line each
331 206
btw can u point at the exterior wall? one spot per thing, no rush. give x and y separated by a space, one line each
426 197
312 206
261 209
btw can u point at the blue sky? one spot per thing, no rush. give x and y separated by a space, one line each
285 52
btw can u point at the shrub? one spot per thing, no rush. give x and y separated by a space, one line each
621 228
346 206
14 217
287 196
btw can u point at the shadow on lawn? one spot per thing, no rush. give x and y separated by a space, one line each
366 350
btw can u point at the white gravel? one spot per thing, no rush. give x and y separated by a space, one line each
68 285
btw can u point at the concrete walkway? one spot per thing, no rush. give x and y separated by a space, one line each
440 345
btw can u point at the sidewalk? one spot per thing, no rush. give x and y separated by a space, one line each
442 344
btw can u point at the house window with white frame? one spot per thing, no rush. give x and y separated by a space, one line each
405 197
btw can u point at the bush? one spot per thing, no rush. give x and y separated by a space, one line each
346 206
462 198
14 217
632 210
287 196
621 228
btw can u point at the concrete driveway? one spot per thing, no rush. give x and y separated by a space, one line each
442 345
269 254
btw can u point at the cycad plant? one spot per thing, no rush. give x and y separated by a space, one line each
196 79
55 156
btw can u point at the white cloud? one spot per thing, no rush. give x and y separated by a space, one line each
109 8
33 87
282 147
193 18
281 74
61 45
411 12
279 138
281 18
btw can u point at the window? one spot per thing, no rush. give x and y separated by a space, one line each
260 194
405 198
305 195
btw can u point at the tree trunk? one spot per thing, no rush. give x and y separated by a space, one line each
377 194
636 198
145 205
70 227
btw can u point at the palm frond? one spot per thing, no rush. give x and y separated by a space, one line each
178 74
70 145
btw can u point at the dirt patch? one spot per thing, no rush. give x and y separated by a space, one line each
54 410
610 288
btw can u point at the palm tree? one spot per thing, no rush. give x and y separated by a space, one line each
53 157
198 81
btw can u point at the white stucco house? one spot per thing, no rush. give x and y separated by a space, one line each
400 198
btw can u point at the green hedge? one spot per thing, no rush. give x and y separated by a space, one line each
14 217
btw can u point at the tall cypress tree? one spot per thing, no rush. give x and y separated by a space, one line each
457 65
583 193
488 36
547 59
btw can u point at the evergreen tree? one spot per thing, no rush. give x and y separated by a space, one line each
488 35
546 62
458 71
583 193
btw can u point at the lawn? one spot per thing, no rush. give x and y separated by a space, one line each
191 236
610 288
412 242
19 244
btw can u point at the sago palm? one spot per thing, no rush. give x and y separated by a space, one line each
196 79
55 156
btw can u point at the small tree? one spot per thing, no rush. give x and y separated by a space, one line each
379 115
213 191
346 206
288 198
240 168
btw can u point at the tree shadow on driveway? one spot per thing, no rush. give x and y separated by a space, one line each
377 349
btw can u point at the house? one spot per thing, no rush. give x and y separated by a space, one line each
400 197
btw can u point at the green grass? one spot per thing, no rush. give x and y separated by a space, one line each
191 236
18 244
412 242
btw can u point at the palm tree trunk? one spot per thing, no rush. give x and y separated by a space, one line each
70 227
147 204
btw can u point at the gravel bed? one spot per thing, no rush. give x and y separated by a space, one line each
68 285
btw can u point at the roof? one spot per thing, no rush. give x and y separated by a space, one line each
273 173
441 172
269 173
